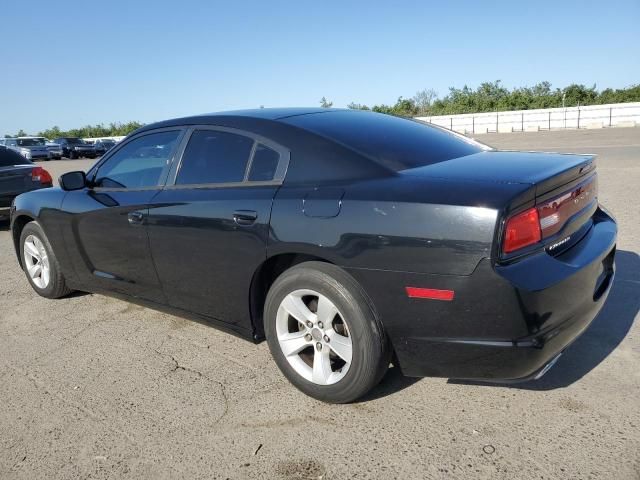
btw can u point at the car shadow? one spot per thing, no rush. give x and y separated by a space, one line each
606 332
4 223
392 382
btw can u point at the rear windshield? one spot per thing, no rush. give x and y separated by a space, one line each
397 143
9 157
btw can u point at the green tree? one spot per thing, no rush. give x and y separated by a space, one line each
324 103
423 100
404 107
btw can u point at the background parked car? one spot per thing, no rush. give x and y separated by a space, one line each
18 175
103 146
31 148
55 151
73 147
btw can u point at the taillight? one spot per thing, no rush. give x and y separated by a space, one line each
555 212
39 174
522 230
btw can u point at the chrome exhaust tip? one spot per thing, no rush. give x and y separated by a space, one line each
547 367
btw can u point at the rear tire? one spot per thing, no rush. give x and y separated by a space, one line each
343 352
40 264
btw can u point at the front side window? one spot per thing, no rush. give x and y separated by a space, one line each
214 157
140 163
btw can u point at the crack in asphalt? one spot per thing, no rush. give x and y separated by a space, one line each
177 366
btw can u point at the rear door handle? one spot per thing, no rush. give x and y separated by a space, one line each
245 217
135 218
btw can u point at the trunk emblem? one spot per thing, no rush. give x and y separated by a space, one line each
561 242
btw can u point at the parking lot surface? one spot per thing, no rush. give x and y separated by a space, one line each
94 387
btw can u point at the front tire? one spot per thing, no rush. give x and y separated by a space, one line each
40 264
323 333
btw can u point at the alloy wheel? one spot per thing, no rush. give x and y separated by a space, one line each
314 337
36 261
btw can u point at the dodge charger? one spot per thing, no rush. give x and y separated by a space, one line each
348 240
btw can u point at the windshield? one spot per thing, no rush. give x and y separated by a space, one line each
75 141
29 142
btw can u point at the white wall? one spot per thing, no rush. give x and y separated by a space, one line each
593 116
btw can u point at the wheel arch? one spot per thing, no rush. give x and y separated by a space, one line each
17 225
267 273
263 278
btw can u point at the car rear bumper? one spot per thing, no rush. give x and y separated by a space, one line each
505 322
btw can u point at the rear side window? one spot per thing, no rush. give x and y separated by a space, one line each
264 164
396 143
140 163
213 156
9 157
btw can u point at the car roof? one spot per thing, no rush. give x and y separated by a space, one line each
268 113
217 118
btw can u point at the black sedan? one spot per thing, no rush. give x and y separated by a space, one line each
73 147
18 175
347 239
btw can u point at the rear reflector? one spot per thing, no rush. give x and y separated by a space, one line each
522 230
431 293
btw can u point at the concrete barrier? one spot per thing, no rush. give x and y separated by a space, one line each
592 116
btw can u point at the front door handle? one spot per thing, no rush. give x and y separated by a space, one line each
135 218
245 217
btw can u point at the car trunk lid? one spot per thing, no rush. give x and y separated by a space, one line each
544 170
561 188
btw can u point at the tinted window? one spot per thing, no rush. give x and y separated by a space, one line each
30 142
10 157
139 163
214 157
394 142
264 164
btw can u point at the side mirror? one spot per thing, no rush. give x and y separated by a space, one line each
73 181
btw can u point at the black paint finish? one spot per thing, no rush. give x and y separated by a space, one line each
207 251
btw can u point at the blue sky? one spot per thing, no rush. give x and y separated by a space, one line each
72 63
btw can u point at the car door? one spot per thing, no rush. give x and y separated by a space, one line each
107 239
208 227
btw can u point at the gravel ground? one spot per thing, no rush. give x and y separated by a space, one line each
98 388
